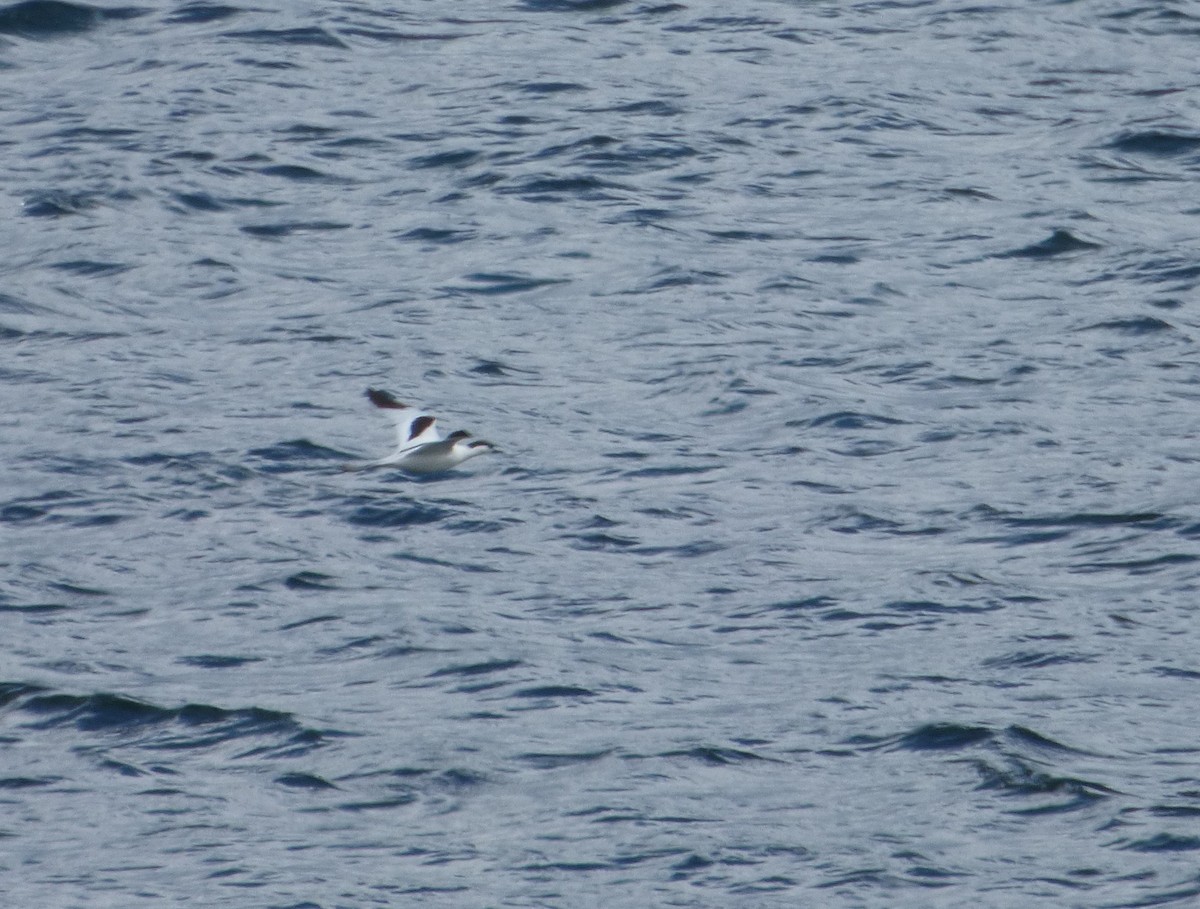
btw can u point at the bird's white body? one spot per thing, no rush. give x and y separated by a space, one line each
420 447
432 457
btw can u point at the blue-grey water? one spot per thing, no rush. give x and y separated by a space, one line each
844 545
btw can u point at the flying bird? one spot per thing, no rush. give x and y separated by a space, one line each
420 447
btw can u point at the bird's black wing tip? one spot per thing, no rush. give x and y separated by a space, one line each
381 398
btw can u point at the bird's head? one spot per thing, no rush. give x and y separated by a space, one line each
468 444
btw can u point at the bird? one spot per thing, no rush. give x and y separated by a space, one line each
420 447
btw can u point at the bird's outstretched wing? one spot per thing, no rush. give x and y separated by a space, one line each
413 426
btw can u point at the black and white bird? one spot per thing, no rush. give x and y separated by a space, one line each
420 447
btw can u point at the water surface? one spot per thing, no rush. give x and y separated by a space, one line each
843 546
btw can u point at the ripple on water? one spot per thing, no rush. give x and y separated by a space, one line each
44 19
127 722
395 513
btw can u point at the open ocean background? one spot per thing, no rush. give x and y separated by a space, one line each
844 549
